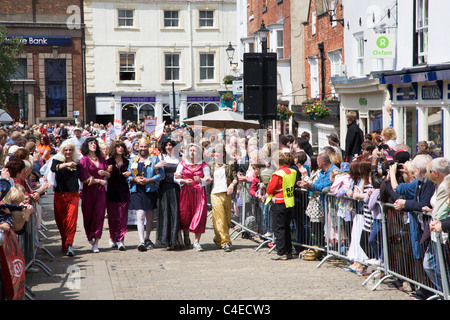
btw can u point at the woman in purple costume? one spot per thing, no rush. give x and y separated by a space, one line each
118 194
193 174
93 171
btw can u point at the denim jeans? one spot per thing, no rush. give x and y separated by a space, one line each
431 264
266 217
415 233
376 239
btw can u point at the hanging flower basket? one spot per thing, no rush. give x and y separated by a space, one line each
315 109
283 112
228 79
331 99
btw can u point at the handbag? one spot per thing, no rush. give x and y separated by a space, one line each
315 210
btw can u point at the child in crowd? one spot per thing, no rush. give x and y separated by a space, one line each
258 190
19 207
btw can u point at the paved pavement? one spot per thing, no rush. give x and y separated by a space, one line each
186 275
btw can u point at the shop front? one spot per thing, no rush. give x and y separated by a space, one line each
367 98
421 106
164 106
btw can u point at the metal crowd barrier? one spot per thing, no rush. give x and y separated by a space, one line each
394 244
250 219
29 244
407 244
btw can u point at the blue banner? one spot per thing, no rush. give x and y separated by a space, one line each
44 40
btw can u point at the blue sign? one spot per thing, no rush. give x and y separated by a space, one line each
44 40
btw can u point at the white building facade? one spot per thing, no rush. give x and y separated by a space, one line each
419 87
163 59
364 22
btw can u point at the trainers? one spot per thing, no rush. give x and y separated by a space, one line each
149 244
226 247
70 252
197 247
142 247
95 248
121 246
282 257
112 244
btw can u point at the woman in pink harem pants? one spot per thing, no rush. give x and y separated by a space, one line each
195 174
93 196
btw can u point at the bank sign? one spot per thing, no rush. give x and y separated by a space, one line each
382 46
43 40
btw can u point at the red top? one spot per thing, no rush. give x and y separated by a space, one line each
275 186
254 187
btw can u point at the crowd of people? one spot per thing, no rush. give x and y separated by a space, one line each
373 169
185 173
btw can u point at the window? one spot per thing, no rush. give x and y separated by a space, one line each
251 47
422 31
314 71
434 123
172 66
335 63
359 39
21 71
127 67
206 66
206 18
264 6
313 23
125 18
171 19
280 44
321 6
55 88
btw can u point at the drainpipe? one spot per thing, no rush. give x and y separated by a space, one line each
320 46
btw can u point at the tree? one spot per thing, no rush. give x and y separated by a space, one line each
9 50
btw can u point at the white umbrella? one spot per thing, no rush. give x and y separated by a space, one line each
5 117
223 119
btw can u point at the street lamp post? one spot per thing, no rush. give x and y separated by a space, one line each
331 10
230 54
263 34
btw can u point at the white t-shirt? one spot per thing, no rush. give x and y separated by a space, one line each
220 180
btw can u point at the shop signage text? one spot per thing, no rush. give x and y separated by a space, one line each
44 41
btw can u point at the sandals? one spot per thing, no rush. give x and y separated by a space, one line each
349 269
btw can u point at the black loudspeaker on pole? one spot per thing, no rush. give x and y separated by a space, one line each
260 86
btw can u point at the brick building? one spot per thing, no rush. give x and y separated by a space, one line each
324 49
276 15
324 59
49 82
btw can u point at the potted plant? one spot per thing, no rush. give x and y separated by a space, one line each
283 112
315 109
227 99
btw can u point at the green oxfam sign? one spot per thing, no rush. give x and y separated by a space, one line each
382 42
382 46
